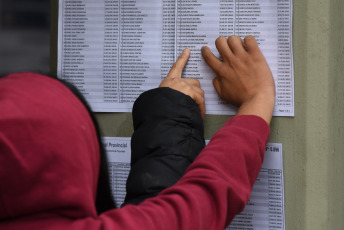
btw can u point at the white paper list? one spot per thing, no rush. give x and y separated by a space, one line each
119 155
265 209
113 50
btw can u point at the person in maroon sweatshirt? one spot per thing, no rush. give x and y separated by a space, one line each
50 153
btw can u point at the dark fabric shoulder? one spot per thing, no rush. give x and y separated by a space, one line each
168 135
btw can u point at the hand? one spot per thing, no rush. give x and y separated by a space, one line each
243 78
190 87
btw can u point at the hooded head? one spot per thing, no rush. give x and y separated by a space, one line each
49 149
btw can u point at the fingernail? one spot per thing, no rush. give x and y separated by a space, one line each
186 50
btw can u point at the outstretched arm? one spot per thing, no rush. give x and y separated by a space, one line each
217 185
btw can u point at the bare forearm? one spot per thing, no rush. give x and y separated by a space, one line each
261 105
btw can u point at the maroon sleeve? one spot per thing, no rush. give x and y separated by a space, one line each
213 190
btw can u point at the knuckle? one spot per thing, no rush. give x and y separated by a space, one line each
201 93
195 82
184 84
202 100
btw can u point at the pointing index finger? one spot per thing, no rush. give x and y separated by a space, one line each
178 66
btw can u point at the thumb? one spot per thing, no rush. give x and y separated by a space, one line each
178 66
